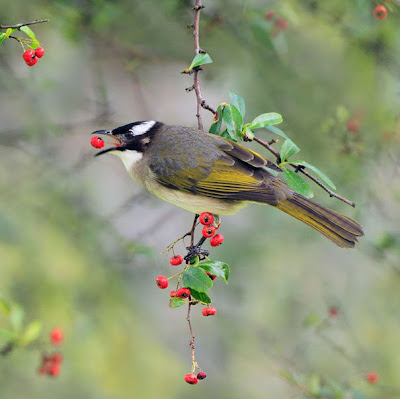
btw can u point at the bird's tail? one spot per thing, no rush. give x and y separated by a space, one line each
340 229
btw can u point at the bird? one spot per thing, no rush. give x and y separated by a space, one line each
202 172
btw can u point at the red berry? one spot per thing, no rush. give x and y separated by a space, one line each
206 218
201 375
39 52
380 12
372 377
32 61
183 292
162 282
217 240
28 55
208 231
212 276
209 311
270 15
54 369
191 379
57 336
353 126
172 294
56 358
176 260
97 142
282 23
333 312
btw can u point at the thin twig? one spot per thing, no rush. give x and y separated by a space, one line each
191 344
302 170
19 26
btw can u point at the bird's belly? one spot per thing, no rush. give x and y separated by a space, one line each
195 203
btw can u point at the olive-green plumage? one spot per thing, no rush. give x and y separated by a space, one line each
201 172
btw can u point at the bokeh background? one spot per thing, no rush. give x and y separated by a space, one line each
81 244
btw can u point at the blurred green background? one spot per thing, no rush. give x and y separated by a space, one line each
80 243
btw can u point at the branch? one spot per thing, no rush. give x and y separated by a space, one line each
19 26
302 170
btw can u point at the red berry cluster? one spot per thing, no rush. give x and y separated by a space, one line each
193 379
31 57
380 12
209 229
353 125
51 363
280 23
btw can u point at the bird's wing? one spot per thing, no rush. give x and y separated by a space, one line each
234 172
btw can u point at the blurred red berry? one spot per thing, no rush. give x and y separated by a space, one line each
206 218
372 377
183 292
333 312
162 282
282 23
55 358
212 276
57 336
201 375
172 294
209 311
380 12
54 369
39 52
353 126
28 55
218 239
191 379
176 260
208 231
33 61
43 369
270 15
97 142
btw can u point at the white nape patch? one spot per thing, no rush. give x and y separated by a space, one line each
129 159
138 130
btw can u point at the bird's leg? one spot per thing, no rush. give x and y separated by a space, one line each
195 250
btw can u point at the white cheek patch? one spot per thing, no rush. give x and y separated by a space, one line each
143 128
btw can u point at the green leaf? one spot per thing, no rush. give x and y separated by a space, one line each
2 37
263 120
233 121
31 332
315 384
196 278
312 319
288 149
5 305
323 176
200 59
176 302
215 128
29 32
17 317
297 183
200 296
277 131
6 334
238 102
217 268
261 31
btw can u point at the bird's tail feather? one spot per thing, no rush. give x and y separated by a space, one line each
340 229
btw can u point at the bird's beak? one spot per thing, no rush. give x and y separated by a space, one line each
108 134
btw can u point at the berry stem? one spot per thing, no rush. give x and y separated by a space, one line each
19 26
191 344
